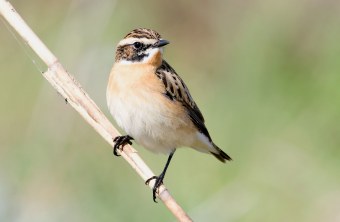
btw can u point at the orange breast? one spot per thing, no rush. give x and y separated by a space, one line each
156 60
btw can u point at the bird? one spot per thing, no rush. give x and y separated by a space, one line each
152 104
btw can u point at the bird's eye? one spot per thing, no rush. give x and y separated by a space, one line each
137 45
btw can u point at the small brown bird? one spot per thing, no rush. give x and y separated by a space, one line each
152 104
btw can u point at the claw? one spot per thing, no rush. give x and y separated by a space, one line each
148 180
158 183
120 142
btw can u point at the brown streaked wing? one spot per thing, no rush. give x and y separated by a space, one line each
175 89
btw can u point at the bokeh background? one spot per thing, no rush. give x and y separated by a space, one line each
266 75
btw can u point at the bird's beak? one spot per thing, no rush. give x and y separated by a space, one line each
160 43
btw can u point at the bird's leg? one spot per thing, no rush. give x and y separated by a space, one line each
159 179
120 142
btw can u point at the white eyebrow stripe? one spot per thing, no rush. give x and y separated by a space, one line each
129 41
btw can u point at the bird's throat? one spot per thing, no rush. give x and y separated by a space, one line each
155 59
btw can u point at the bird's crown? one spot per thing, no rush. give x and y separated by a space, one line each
143 33
139 46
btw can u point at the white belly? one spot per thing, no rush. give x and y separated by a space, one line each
148 121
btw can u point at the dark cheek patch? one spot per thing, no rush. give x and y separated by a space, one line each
129 53
137 58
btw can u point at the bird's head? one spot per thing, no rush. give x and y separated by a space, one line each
140 46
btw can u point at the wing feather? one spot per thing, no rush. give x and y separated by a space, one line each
175 89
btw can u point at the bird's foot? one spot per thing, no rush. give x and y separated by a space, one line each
158 183
120 142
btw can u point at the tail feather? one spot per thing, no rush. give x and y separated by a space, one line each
220 154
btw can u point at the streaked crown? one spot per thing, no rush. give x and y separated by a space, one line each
143 33
139 46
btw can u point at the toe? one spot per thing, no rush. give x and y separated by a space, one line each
148 180
154 191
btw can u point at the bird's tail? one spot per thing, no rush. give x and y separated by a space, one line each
220 154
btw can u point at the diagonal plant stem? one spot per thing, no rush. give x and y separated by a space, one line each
74 94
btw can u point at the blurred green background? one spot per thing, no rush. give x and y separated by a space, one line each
266 75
